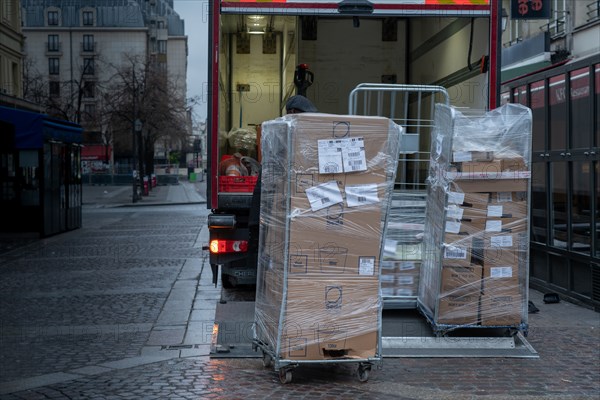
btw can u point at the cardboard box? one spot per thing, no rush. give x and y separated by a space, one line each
325 254
466 278
502 309
330 318
458 308
462 156
514 164
456 250
493 185
488 167
329 285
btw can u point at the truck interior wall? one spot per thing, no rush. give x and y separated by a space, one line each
344 56
439 54
263 95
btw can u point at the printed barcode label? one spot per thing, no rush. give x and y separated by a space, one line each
501 272
501 241
455 252
353 155
331 169
361 195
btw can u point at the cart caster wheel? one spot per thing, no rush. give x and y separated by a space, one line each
285 375
267 360
363 373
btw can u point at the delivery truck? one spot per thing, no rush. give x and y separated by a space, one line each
262 52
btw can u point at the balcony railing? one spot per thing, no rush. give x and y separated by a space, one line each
593 12
556 27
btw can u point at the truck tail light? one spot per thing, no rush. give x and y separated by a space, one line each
220 246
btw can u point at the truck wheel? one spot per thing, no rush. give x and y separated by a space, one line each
227 281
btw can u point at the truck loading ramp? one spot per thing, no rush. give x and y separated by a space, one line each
406 333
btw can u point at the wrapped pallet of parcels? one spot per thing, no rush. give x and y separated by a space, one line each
476 261
326 187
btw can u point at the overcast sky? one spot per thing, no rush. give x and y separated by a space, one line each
195 15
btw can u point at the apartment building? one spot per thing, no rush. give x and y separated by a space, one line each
75 46
552 65
11 44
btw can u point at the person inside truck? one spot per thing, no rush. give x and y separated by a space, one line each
295 105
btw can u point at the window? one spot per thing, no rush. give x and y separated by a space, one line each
53 43
581 102
558 113
52 18
162 46
89 111
54 88
88 66
88 42
53 66
160 24
89 89
538 110
87 18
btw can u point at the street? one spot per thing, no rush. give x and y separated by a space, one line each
124 307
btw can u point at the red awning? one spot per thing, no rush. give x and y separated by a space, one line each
96 152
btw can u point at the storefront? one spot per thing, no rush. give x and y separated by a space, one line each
565 190
40 173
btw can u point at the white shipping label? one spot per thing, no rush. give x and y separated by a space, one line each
405 280
494 211
366 266
324 195
330 156
493 226
452 227
461 156
360 195
404 292
456 197
501 272
501 241
455 252
407 265
454 212
353 155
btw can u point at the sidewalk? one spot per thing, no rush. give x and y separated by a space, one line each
121 196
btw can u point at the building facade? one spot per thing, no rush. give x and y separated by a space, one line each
553 66
75 47
11 45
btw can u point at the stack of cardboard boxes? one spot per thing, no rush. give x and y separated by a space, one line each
326 184
484 241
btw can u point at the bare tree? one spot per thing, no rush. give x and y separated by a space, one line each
141 90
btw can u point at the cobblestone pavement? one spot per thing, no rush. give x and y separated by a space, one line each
123 307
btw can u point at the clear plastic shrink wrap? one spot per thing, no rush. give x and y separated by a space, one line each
326 187
476 248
